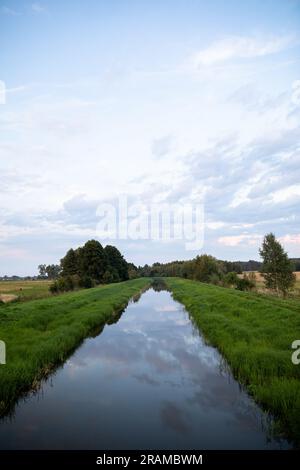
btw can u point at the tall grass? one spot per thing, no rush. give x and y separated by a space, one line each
254 333
41 334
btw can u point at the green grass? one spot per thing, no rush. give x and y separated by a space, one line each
40 334
24 290
254 333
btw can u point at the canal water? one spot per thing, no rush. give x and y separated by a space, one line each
148 381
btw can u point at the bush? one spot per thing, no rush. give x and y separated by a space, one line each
86 282
62 284
53 288
231 279
214 279
244 284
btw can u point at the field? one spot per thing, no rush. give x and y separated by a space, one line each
254 333
260 284
23 290
40 334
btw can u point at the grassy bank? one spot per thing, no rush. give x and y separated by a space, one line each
40 334
254 333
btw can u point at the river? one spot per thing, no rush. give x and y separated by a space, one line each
148 381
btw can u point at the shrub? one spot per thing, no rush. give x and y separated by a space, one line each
214 279
62 284
231 279
86 282
53 288
244 284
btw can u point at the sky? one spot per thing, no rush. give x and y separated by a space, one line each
162 101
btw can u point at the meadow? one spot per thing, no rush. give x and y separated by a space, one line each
24 290
40 334
254 333
260 284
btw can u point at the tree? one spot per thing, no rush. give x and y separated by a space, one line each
53 271
116 264
132 271
93 260
276 268
205 267
69 263
50 271
42 270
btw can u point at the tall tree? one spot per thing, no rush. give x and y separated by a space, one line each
205 267
69 263
276 268
117 265
42 270
93 260
53 271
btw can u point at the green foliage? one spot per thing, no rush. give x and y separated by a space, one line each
116 264
93 260
231 266
254 333
53 288
42 271
230 279
50 271
132 271
111 275
276 269
205 268
86 282
92 264
70 263
244 283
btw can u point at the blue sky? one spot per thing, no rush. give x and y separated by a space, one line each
163 101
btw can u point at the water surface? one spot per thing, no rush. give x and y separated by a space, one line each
148 381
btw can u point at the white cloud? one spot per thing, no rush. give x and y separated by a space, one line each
234 240
239 47
286 193
291 239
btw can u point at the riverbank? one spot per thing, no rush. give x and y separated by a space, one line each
254 333
40 334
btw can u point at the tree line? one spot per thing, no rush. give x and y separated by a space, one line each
276 268
89 265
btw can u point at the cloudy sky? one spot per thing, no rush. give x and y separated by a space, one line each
164 101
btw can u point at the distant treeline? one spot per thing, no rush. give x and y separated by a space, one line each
188 268
202 268
206 268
